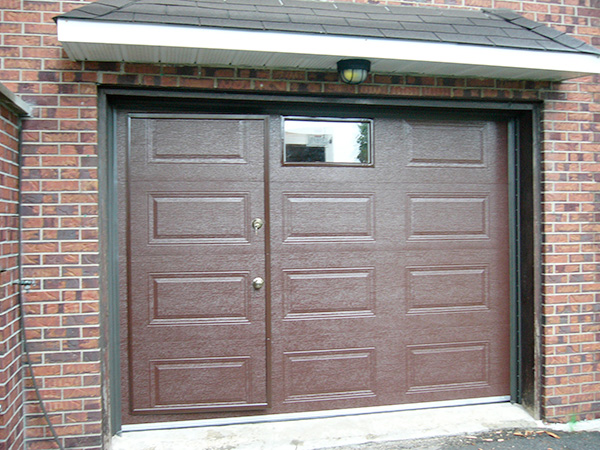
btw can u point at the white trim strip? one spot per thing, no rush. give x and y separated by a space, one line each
310 415
139 42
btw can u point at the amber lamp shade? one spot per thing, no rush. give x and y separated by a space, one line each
353 71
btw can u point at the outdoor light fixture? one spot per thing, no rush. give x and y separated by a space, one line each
353 71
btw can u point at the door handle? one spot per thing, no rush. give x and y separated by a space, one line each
258 283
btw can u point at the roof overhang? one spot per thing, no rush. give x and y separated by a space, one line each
174 44
20 107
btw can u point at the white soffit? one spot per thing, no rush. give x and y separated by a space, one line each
86 40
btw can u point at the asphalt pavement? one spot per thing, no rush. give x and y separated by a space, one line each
513 439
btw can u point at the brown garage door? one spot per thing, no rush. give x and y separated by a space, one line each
387 279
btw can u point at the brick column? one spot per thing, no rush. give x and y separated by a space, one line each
11 364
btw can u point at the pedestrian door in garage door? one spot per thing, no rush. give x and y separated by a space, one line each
264 271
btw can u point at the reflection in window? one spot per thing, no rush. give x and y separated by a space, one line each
336 141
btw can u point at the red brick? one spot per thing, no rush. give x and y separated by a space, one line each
22 17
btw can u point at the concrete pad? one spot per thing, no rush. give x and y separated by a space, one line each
311 434
585 425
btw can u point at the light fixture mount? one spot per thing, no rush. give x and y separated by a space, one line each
353 71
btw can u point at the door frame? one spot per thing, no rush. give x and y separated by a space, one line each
524 160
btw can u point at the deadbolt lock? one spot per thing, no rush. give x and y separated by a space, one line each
257 283
257 224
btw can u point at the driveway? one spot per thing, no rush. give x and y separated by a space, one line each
526 439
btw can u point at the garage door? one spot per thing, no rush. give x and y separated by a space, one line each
274 264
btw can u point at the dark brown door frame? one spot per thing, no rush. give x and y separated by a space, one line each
525 211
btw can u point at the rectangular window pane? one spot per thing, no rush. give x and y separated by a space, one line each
327 141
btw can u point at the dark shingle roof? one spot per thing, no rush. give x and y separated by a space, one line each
492 27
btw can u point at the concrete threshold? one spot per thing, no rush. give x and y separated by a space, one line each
322 433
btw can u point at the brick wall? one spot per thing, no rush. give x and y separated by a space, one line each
11 379
571 240
571 206
60 215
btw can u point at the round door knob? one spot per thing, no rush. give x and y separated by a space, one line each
257 283
257 224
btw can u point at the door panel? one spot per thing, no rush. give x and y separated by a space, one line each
224 148
405 262
196 334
